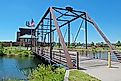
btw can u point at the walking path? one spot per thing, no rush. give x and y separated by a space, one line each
99 69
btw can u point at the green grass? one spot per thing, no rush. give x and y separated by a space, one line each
76 75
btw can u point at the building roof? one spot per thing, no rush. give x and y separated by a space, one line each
27 36
26 27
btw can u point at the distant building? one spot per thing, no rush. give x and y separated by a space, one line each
26 37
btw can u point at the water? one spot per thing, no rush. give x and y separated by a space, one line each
20 67
17 67
100 55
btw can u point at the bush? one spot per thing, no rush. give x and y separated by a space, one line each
17 52
1 46
1 52
1 49
47 73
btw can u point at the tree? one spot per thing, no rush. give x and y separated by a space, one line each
1 49
79 44
1 46
102 44
118 43
92 43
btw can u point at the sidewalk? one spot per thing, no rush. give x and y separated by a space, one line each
102 72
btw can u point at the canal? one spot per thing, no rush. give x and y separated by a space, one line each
17 67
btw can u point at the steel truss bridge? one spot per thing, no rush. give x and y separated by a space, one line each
53 20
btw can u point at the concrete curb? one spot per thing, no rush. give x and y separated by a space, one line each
66 75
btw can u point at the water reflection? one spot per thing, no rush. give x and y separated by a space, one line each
17 67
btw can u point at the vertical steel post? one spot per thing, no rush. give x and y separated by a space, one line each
53 37
68 58
59 42
42 33
37 35
68 34
35 39
85 31
50 37
31 38
42 42
77 60
48 40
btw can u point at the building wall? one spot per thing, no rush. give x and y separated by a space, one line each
25 31
18 35
25 41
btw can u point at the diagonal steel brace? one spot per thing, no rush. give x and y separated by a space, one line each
68 58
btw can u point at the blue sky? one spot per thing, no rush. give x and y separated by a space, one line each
107 13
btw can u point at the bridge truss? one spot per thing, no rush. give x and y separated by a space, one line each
56 18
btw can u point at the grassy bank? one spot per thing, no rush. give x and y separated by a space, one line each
76 75
17 52
12 51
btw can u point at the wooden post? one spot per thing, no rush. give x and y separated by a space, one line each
53 54
60 55
109 59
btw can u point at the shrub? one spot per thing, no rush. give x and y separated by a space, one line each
1 46
47 73
1 52
1 49
17 52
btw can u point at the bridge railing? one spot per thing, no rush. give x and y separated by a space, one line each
58 57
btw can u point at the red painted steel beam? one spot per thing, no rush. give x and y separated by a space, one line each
42 18
67 10
68 58
100 32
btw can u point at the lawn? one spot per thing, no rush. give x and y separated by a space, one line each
76 75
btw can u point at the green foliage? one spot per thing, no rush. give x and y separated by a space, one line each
92 43
1 49
1 46
1 52
118 43
77 75
15 51
47 73
119 48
